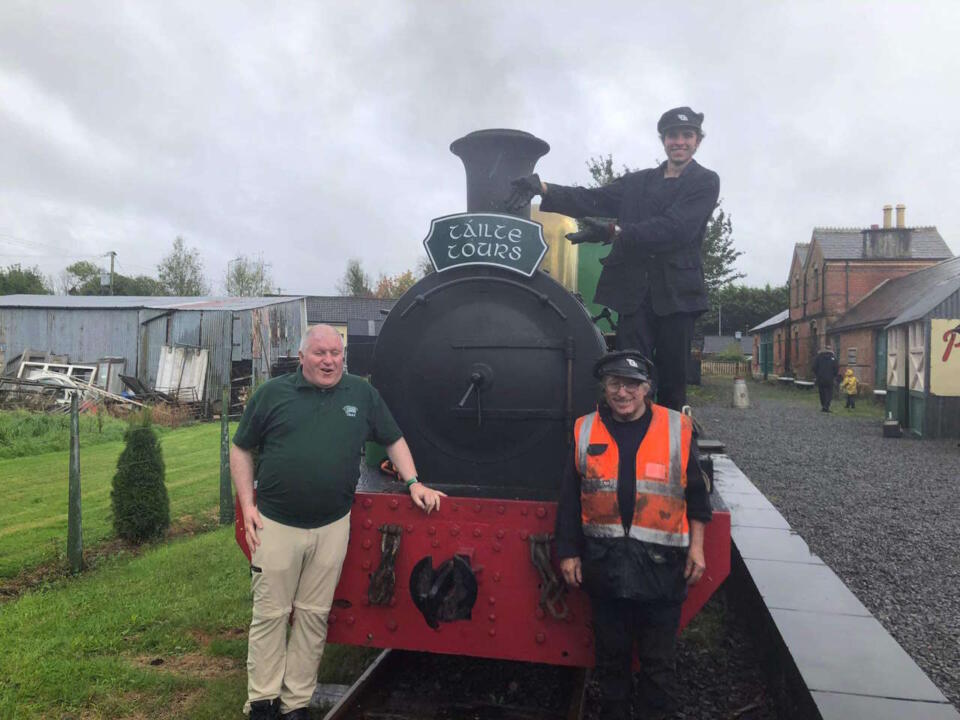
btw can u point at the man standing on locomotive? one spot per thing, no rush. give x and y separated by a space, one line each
308 428
630 525
653 275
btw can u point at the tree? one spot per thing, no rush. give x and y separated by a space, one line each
248 278
355 282
139 500
394 286
719 254
718 251
181 272
83 278
738 307
16 280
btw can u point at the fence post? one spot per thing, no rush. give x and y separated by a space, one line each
74 519
226 491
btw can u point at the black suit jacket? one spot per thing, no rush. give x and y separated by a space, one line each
662 223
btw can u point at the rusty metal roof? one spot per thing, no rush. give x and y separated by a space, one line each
892 298
136 302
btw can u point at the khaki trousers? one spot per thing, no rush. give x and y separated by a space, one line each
293 568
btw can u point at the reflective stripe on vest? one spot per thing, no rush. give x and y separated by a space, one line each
660 508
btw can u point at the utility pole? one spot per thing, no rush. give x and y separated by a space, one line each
112 255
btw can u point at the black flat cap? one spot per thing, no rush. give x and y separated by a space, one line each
679 117
626 364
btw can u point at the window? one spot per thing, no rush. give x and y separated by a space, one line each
816 283
851 356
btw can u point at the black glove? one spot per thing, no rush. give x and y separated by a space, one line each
524 188
593 230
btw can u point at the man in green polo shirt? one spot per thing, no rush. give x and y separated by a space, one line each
308 428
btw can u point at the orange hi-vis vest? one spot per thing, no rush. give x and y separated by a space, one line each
660 512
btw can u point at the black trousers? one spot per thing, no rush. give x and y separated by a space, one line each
851 403
618 626
826 394
665 339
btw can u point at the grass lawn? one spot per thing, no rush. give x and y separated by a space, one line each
33 521
719 390
25 433
161 635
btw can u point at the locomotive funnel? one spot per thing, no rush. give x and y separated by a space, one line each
492 158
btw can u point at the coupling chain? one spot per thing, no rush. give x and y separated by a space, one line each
552 589
384 578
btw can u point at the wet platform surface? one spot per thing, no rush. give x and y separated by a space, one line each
849 664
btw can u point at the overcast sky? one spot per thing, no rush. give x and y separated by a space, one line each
318 131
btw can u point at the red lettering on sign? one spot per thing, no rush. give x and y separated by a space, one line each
950 337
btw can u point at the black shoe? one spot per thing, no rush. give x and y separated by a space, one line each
298 714
265 709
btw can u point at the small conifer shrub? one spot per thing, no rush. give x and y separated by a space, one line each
141 507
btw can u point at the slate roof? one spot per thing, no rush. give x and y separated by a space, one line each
778 319
713 344
926 300
926 243
894 298
801 249
136 302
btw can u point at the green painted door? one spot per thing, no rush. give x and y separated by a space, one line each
880 359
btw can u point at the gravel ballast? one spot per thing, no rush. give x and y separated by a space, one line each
881 512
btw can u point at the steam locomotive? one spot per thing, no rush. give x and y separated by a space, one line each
485 364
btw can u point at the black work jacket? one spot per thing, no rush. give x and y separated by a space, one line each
625 567
662 222
825 367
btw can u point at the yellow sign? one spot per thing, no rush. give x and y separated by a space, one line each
945 358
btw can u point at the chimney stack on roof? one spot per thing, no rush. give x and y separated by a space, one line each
901 212
887 216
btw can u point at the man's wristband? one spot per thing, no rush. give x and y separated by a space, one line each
411 481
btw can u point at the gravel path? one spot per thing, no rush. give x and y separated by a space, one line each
882 513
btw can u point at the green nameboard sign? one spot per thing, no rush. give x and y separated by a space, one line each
502 241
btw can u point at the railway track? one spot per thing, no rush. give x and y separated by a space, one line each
405 685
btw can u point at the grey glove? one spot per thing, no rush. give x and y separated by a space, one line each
593 230
524 190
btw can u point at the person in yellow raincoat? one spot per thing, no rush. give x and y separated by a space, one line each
849 386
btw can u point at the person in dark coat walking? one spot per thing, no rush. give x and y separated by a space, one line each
653 275
825 371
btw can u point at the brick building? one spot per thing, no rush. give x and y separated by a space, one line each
859 336
841 266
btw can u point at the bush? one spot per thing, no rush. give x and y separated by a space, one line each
141 507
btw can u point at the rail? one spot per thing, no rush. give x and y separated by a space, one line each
401 684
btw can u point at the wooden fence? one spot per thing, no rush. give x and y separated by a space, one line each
725 368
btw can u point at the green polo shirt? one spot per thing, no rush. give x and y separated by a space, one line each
309 442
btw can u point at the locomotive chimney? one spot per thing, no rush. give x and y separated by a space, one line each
492 158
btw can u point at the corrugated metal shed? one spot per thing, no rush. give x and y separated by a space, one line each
893 297
127 302
258 330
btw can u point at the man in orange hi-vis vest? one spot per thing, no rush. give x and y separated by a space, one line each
630 523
